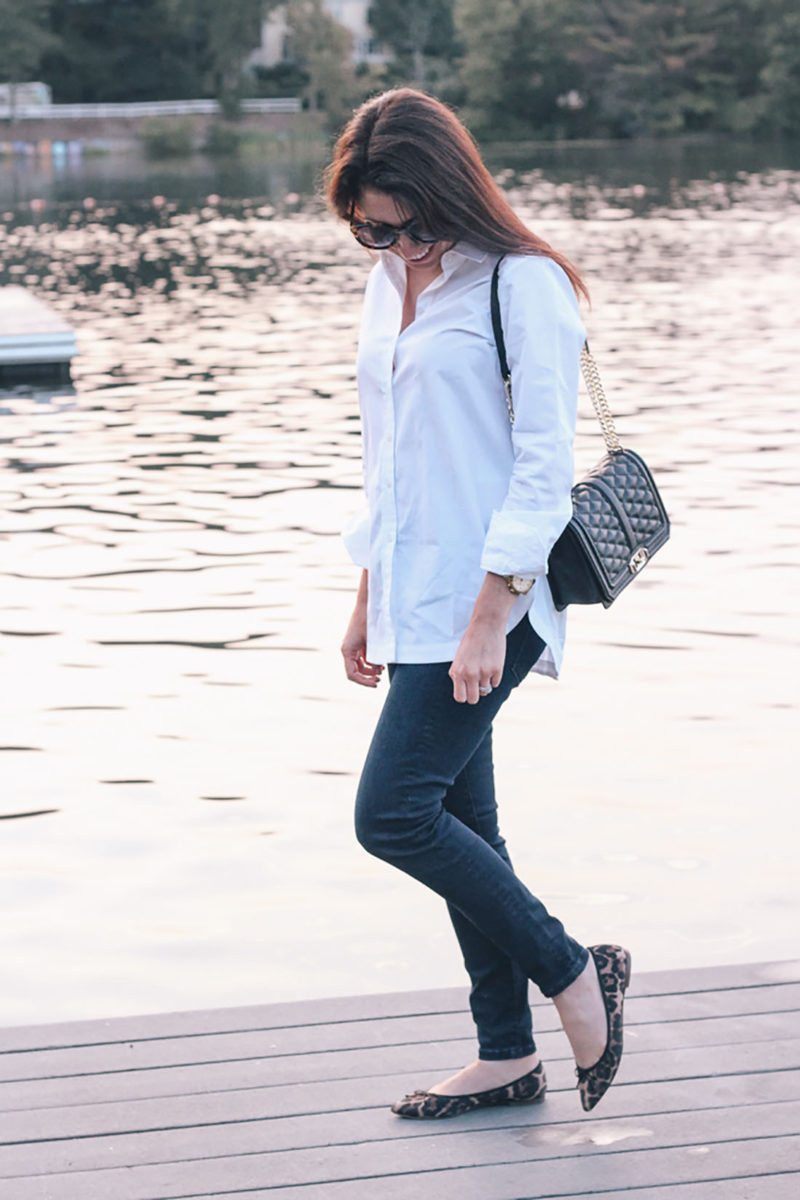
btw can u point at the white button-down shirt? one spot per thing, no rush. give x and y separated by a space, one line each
452 490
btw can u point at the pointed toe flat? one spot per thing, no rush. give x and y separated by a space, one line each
613 965
528 1089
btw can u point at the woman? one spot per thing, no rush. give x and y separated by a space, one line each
462 511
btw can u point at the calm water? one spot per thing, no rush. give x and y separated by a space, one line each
179 745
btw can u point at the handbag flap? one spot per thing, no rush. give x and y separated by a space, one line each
627 476
618 512
601 532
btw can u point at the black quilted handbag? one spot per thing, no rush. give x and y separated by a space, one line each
618 517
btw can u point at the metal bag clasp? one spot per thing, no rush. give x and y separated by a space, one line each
638 560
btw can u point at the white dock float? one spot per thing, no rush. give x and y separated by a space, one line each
33 338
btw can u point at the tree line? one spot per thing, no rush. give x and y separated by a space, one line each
91 51
581 68
514 68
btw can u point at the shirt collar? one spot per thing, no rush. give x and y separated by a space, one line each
452 259
466 250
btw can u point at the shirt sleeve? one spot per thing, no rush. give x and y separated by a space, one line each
543 335
355 536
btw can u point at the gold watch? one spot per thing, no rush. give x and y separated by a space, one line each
518 585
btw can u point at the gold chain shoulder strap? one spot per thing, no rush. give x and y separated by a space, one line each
594 386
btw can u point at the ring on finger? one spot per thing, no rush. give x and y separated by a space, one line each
484 691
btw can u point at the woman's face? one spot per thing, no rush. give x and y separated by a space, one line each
423 258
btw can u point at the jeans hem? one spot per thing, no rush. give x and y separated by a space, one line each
501 1055
567 978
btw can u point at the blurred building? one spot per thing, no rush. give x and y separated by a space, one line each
27 94
276 46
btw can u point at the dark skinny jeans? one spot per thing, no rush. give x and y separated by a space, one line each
426 804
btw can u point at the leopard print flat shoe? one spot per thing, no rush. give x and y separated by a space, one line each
614 972
528 1089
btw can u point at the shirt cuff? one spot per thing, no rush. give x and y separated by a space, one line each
514 545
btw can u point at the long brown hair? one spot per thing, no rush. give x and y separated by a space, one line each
415 149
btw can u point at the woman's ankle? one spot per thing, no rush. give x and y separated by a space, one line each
582 1011
486 1073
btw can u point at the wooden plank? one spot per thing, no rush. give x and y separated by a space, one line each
229 1047
373 1120
375 1033
763 1187
402 1030
295 1068
307 1067
630 1172
427 1057
376 1122
684 982
428 1027
462 1146
320 1094
303 1014
603 1169
751 1187
337 1051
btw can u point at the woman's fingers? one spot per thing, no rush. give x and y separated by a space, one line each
467 688
479 661
359 670
471 688
370 671
355 675
471 684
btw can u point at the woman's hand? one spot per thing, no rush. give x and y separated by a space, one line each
354 645
354 652
480 657
479 660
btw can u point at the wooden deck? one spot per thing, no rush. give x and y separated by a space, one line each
289 1102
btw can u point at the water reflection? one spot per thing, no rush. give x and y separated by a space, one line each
291 166
641 174
173 593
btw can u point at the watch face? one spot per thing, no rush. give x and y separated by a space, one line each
520 585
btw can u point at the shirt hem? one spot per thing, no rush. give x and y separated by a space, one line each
444 652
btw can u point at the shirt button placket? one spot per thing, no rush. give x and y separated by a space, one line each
388 505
